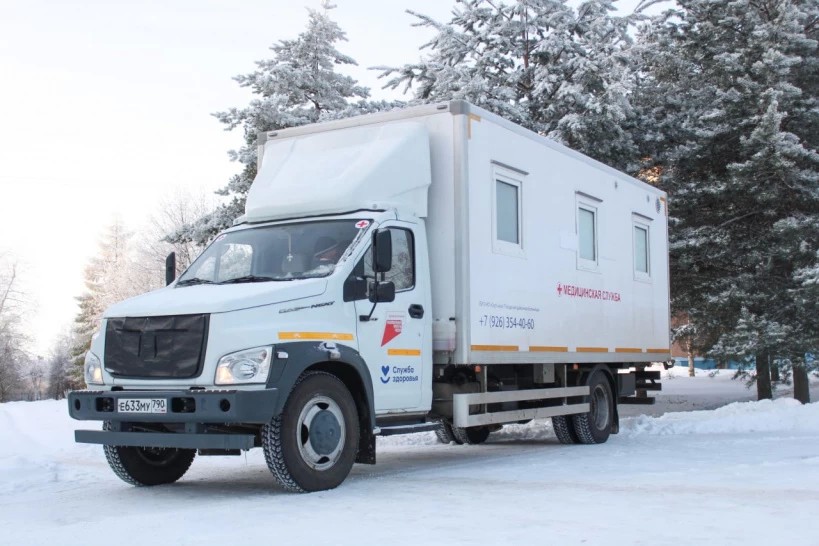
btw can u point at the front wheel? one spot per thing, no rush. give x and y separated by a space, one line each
148 465
595 426
312 445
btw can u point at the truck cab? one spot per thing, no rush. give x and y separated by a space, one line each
289 297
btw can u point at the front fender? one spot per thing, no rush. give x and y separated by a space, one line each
305 355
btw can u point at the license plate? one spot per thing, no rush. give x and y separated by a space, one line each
142 405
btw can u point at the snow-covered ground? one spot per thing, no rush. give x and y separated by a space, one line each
745 473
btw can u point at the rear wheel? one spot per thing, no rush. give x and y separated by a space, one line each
148 465
312 445
470 435
595 426
445 434
564 429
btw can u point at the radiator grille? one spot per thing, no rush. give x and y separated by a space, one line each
171 347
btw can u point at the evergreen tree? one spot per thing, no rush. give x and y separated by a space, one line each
728 99
299 85
559 71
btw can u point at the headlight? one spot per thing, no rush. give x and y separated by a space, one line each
93 369
248 366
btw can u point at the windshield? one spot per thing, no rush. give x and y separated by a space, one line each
274 253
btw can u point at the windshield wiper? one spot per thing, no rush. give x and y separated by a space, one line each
193 280
249 278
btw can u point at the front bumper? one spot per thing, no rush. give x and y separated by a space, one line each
196 410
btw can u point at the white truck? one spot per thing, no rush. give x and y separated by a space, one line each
435 268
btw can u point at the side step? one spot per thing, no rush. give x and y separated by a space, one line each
409 429
462 402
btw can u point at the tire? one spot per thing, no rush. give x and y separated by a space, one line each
595 426
312 444
146 466
564 430
470 435
445 434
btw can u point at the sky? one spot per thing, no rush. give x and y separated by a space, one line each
105 109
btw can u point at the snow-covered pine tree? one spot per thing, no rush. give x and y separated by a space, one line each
297 86
807 304
734 136
560 71
583 94
483 55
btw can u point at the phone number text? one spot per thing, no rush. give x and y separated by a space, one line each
506 322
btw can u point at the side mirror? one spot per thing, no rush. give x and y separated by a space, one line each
382 251
170 268
382 292
355 288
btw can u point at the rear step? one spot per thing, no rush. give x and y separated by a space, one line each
645 381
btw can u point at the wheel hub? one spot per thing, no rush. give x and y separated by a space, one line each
325 432
321 433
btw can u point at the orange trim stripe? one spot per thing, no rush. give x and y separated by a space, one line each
556 349
316 335
547 349
510 348
403 352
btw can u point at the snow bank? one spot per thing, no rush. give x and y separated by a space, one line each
22 473
37 446
779 415
53 490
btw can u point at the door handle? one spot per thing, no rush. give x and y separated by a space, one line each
416 311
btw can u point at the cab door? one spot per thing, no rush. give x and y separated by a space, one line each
396 340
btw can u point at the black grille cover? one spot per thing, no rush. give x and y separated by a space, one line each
156 347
